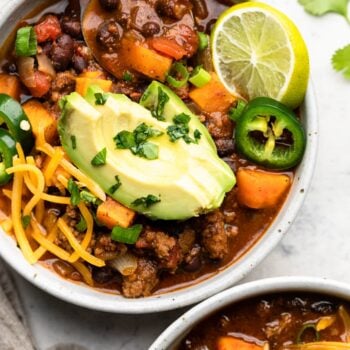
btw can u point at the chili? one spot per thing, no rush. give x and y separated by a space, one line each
7 152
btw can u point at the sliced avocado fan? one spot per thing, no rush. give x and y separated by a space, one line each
155 157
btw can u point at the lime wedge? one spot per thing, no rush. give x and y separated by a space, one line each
258 51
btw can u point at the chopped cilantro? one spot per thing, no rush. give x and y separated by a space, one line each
320 7
197 135
163 98
136 141
126 235
81 225
146 201
100 158
235 113
101 98
25 221
127 76
180 129
89 198
116 186
73 189
341 61
148 150
125 140
74 141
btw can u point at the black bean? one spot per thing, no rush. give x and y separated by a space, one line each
174 9
102 275
109 5
150 29
10 68
79 63
62 52
71 26
225 147
200 9
109 34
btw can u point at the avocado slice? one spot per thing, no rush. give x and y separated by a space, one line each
173 107
185 179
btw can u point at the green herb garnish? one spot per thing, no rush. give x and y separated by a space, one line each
180 129
26 44
127 76
146 201
126 235
25 221
163 98
89 198
81 225
136 141
100 158
116 186
101 98
73 189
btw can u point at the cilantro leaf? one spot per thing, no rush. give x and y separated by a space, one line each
116 186
74 141
100 158
146 202
136 141
73 189
89 198
341 61
126 235
180 129
321 7
101 98
163 99
81 225
25 221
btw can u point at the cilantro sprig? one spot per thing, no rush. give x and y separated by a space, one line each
341 58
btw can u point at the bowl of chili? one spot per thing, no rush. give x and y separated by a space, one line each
190 285
275 313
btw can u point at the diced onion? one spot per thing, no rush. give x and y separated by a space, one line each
25 67
45 65
126 264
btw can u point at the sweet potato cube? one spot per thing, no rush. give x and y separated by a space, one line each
260 189
213 97
230 343
111 213
10 85
40 117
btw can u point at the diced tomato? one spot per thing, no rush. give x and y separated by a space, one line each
168 47
48 29
42 84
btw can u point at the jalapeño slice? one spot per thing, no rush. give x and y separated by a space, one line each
269 134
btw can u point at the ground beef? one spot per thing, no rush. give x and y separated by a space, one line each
164 247
133 91
214 236
62 85
193 259
187 239
219 125
107 249
142 282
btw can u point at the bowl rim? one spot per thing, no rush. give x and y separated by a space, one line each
180 327
89 298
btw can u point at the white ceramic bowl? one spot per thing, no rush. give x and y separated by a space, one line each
178 330
10 13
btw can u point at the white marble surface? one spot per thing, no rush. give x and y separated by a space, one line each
317 244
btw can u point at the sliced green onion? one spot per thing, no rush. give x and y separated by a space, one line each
203 41
178 69
26 43
126 235
200 77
